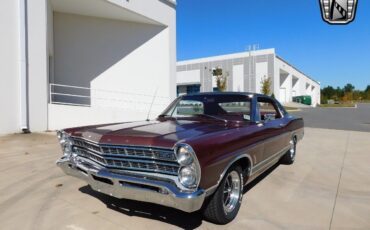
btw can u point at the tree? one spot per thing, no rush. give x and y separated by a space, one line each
221 78
367 89
266 85
339 93
328 92
348 88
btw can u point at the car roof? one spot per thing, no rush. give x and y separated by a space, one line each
225 93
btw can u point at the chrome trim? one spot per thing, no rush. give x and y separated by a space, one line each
196 162
135 161
233 161
126 149
129 161
109 157
211 189
233 190
132 186
97 143
252 171
258 167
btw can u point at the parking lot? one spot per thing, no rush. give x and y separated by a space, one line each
355 119
328 187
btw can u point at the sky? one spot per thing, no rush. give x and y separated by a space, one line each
331 54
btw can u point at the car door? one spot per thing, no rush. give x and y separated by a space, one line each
273 125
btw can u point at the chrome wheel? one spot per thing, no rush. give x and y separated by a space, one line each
231 192
292 149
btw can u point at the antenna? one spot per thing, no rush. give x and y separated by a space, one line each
151 105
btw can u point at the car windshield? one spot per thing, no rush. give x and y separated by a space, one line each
215 106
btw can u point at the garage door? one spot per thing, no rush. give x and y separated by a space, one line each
283 95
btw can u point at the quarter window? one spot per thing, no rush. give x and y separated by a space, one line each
268 110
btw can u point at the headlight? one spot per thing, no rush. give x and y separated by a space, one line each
184 156
188 176
189 172
65 142
59 135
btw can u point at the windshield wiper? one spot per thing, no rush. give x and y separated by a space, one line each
214 117
167 116
164 115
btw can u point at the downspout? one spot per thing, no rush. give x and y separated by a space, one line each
23 66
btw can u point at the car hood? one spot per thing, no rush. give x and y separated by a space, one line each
157 133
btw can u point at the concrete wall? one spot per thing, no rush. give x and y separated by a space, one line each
256 65
9 62
124 63
282 68
249 61
165 13
113 54
238 78
37 65
71 116
261 73
188 77
136 56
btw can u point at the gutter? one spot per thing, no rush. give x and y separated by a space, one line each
23 66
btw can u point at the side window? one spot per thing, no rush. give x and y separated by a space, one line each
268 110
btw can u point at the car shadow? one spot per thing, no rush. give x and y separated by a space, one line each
158 212
148 210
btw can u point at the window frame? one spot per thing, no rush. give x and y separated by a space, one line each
274 104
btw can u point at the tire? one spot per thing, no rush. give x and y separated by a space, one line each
221 209
289 156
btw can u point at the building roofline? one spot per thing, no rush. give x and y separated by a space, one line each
281 59
227 56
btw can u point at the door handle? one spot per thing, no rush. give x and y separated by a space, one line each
281 125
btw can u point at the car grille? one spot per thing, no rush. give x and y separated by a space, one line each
135 158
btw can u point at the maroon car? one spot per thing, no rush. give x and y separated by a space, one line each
198 154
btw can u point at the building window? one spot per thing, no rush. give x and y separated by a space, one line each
193 89
187 89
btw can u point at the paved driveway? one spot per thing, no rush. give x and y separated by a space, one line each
327 188
357 119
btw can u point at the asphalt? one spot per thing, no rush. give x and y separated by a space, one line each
328 187
356 119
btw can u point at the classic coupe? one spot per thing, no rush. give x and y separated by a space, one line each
197 155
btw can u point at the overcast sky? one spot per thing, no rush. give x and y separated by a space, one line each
333 55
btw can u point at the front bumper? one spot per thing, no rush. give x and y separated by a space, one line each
132 186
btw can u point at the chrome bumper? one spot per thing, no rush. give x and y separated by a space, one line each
131 186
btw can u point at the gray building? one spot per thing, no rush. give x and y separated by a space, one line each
245 72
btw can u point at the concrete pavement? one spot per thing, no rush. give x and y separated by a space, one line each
357 119
328 187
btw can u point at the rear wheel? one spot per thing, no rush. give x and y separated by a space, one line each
224 205
289 156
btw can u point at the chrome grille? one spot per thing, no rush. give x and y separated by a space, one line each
128 157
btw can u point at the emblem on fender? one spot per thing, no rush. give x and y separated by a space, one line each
338 11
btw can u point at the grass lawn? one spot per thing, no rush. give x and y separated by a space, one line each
337 105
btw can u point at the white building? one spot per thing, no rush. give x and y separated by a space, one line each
77 62
244 72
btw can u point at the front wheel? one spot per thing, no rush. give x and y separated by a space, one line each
224 205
